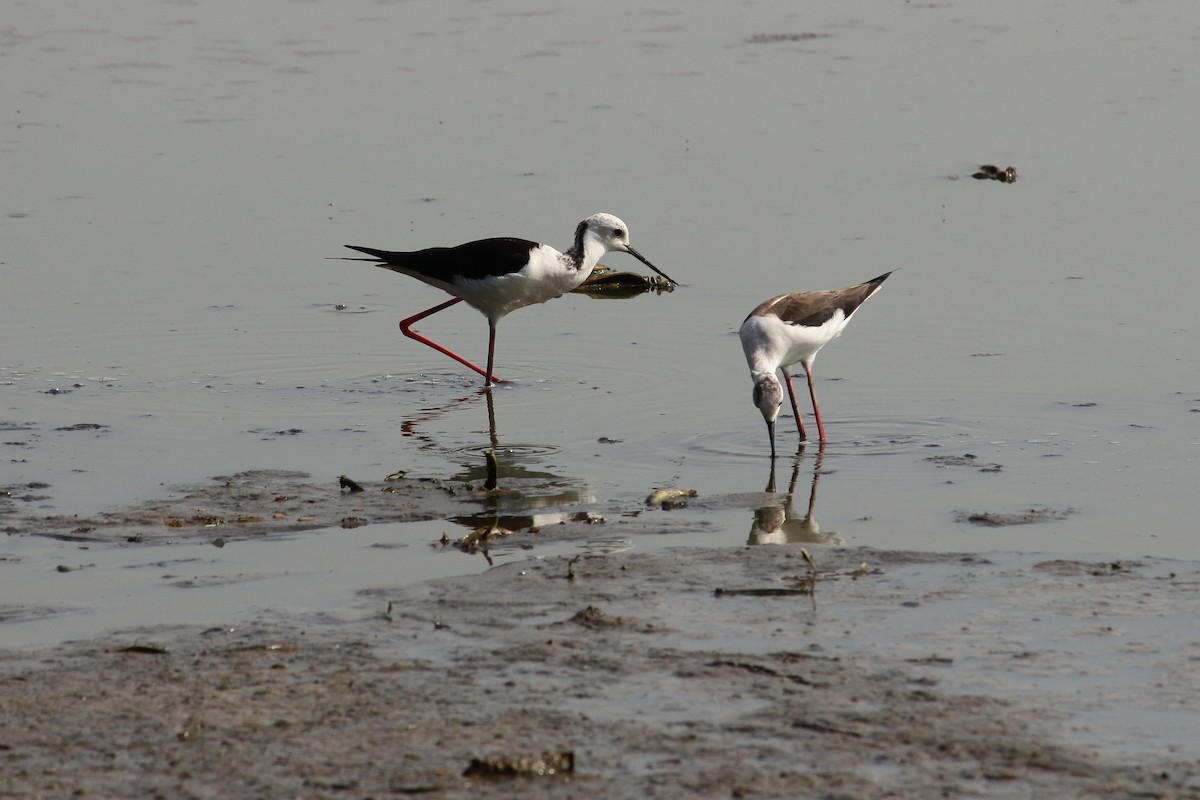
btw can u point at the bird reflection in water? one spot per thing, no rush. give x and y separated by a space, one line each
505 483
411 426
777 522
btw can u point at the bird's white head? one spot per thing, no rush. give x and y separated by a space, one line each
605 230
604 233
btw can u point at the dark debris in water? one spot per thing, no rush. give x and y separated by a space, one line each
145 649
64 568
36 485
990 172
991 519
965 460
776 38
770 591
269 435
606 283
668 499
1068 567
349 484
83 426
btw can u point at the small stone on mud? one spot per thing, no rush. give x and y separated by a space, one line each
545 765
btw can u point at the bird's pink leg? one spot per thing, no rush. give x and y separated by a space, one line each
491 352
406 329
795 408
812 392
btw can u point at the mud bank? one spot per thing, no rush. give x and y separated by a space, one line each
898 677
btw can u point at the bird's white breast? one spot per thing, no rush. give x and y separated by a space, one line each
769 342
547 275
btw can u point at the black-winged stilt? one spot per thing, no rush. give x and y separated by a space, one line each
497 276
791 329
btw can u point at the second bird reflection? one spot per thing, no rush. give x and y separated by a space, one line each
778 522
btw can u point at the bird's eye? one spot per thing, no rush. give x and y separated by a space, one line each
617 232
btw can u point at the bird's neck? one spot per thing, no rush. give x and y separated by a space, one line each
761 369
585 253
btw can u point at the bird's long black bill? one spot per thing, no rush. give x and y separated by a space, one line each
771 432
642 259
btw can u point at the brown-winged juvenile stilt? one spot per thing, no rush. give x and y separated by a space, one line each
496 276
791 329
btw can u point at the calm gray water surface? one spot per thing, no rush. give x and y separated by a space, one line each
176 175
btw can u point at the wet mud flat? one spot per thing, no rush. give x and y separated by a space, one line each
243 504
694 673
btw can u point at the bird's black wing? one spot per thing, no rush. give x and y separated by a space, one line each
471 261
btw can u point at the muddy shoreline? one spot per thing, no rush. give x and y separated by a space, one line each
727 672
522 662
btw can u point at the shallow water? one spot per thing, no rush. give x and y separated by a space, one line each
176 177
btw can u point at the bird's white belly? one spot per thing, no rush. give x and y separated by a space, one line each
498 296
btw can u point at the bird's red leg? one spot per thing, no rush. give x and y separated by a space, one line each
795 408
491 352
406 329
812 392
